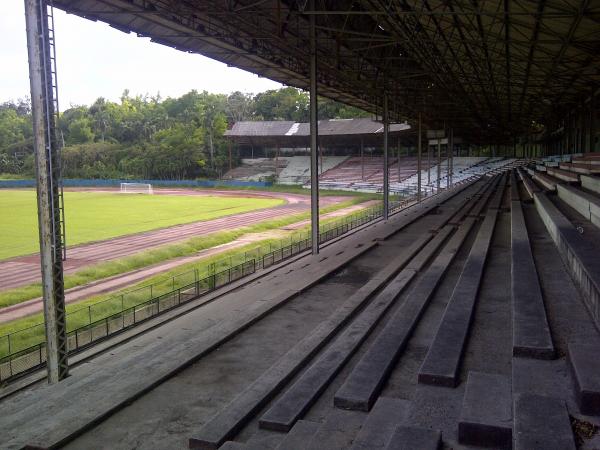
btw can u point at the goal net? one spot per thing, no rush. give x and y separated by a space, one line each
136 188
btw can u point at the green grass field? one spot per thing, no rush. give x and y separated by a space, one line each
94 216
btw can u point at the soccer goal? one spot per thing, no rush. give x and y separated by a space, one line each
136 188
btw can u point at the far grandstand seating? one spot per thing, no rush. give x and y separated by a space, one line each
256 169
297 170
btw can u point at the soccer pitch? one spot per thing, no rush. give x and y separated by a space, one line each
93 216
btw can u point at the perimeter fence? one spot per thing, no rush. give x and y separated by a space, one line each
24 350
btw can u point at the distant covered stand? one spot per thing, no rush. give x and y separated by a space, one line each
332 133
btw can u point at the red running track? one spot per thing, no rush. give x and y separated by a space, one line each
25 270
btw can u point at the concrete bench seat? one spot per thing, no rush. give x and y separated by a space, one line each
303 393
580 258
442 363
584 362
591 159
411 438
548 183
584 168
530 186
564 175
541 423
381 423
540 168
551 163
590 183
531 333
366 380
586 204
236 414
486 412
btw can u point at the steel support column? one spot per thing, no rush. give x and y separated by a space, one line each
398 160
439 164
47 164
314 135
362 160
386 170
592 118
419 160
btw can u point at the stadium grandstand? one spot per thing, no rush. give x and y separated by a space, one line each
467 316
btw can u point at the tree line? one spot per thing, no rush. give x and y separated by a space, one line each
151 137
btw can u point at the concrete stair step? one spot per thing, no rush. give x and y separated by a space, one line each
486 413
380 424
337 431
531 332
541 423
301 433
412 438
584 362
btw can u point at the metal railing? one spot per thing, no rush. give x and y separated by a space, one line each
24 350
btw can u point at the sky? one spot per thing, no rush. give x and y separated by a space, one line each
95 60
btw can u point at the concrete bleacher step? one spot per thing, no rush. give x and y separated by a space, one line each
564 175
412 438
580 258
301 433
486 412
301 395
584 362
233 445
337 431
587 159
236 414
586 204
380 424
548 183
581 168
366 380
590 183
531 333
541 423
530 186
441 365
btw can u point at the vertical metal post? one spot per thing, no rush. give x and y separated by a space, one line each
386 171
230 164
362 160
428 163
47 165
592 146
398 168
419 160
439 164
314 135
277 164
450 155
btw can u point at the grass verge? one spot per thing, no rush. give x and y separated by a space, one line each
162 254
81 314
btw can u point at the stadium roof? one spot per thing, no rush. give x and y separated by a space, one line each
331 132
491 69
